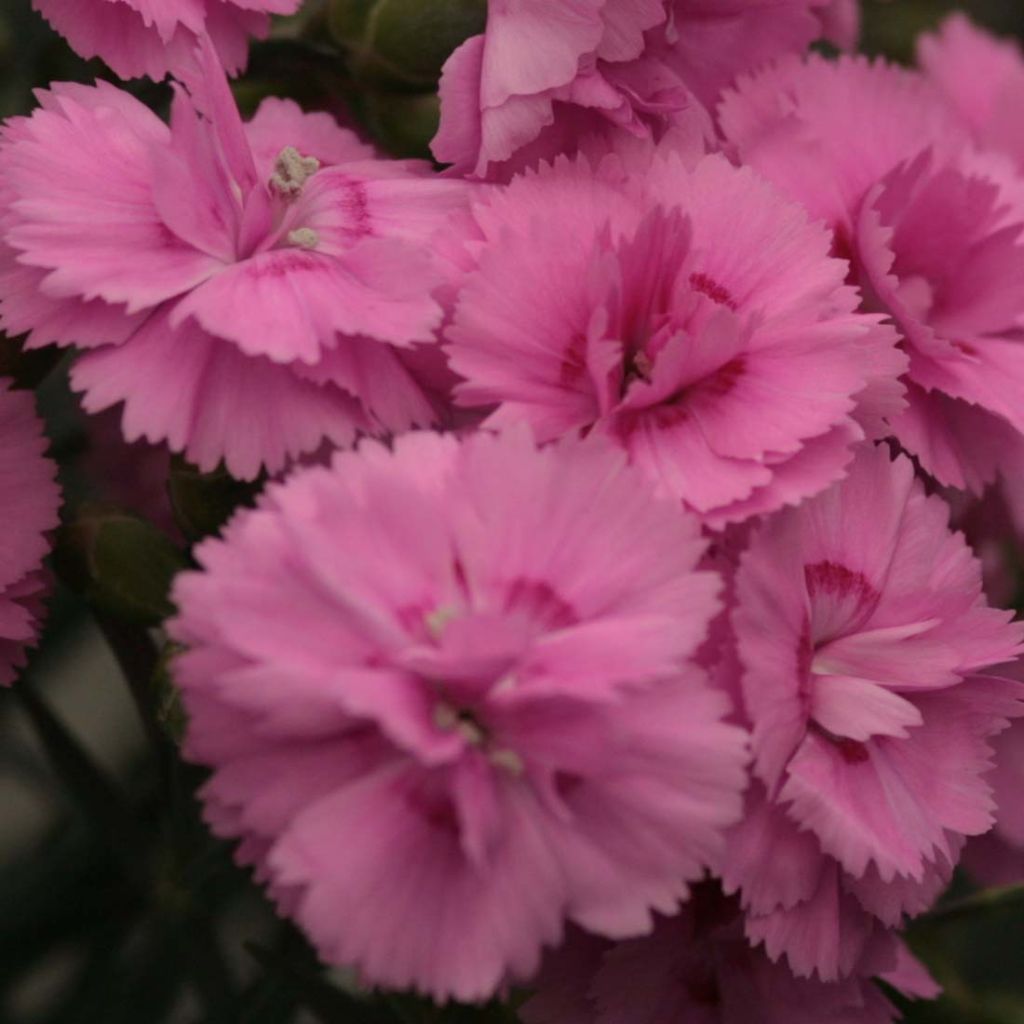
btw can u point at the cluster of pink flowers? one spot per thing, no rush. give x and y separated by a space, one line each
618 644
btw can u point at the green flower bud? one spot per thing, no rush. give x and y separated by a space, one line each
403 124
124 565
404 42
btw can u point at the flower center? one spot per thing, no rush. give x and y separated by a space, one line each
460 720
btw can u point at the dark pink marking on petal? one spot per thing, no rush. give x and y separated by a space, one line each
836 580
713 290
541 602
851 751
574 365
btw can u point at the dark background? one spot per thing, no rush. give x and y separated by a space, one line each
116 907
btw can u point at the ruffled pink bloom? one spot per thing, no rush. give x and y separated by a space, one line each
547 73
981 77
697 967
154 37
689 315
29 499
446 694
862 635
933 233
244 289
801 905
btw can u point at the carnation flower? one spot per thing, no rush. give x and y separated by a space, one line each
932 230
981 77
446 695
689 315
243 289
29 499
698 967
142 37
862 634
547 73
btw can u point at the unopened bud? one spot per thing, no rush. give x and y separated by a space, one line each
404 42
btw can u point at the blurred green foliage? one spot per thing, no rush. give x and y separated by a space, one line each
125 910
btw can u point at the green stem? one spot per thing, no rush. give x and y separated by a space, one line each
995 898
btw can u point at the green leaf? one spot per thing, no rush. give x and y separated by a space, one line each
123 564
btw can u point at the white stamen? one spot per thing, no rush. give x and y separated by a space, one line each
438 619
451 720
509 760
445 717
291 171
304 238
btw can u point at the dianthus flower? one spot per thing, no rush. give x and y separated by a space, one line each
446 694
932 231
862 635
154 37
545 73
698 967
981 77
243 289
29 499
688 314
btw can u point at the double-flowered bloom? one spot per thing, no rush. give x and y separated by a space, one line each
684 311
932 228
492 723
863 642
545 76
244 289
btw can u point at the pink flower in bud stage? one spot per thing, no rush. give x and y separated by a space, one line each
933 232
863 635
154 37
29 499
697 967
547 73
447 697
689 315
243 289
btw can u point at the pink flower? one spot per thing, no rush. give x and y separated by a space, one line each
154 37
689 315
446 694
862 635
801 905
29 499
245 290
954 296
697 967
547 73
981 77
